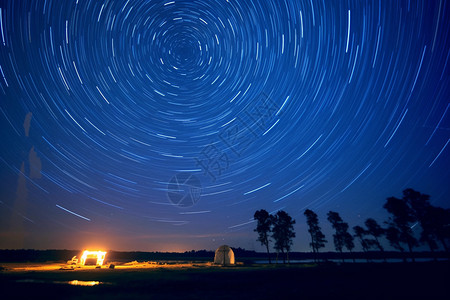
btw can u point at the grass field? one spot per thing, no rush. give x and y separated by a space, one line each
205 281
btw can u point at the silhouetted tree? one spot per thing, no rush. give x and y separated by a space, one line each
283 233
317 237
435 221
263 228
420 205
417 201
375 230
402 219
428 236
348 243
360 233
393 236
435 225
441 225
365 243
341 237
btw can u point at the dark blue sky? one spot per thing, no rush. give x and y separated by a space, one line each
164 125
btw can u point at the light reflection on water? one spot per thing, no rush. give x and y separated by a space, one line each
83 283
72 282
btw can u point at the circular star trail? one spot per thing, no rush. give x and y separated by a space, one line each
289 105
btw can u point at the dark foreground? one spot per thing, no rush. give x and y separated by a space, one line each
348 281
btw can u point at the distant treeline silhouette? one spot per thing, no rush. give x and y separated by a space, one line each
413 209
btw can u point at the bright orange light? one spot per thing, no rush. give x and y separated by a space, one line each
99 255
83 283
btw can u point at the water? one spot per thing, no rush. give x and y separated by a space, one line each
347 260
72 282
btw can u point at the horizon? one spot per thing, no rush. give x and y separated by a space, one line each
166 125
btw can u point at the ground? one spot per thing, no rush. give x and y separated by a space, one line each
185 280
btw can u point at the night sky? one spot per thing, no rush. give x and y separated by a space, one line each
164 125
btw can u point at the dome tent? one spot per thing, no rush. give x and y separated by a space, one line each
224 256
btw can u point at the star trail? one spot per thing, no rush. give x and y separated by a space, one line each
164 125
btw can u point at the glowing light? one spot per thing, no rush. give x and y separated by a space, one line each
83 283
99 255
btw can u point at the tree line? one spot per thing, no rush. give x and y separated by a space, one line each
413 209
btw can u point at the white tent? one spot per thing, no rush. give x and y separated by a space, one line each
224 256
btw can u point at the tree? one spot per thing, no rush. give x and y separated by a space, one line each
435 221
420 205
365 243
263 228
317 237
360 233
417 201
341 237
436 226
375 230
283 233
348 243
393 236
402 219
